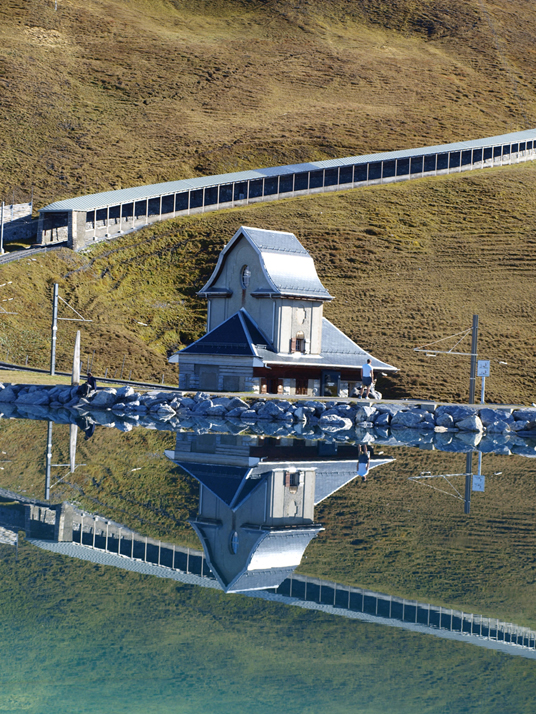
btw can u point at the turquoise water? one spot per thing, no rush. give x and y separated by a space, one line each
79 636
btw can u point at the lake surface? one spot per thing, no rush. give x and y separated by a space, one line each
178 572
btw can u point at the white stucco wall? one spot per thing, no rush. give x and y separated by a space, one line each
260 309
279 318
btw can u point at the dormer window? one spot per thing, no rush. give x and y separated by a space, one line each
245 276
298 343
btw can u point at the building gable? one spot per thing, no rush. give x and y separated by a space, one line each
285 268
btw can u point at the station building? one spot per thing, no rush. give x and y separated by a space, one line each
266 331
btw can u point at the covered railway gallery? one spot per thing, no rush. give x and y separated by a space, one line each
86 219
265 329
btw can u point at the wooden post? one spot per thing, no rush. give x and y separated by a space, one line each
73 434
75 378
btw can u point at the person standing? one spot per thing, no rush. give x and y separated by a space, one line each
367 377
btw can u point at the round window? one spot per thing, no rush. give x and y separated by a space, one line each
233 543
245 275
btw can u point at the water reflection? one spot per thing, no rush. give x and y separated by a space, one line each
256 517
257 499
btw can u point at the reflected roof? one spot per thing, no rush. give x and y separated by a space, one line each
127 195
231 484
89 554
333 475
274 557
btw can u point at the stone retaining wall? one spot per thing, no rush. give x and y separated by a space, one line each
362 421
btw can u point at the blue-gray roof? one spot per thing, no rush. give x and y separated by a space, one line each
338 350
237 336
127 195
293 275
230 338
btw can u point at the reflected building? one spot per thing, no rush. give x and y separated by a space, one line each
255 520
256 501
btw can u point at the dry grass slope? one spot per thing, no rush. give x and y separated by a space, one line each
109 94
408 264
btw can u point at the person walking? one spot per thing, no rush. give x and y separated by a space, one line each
367 377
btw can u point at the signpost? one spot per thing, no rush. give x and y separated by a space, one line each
483 370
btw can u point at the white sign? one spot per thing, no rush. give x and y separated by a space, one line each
479 482
483 368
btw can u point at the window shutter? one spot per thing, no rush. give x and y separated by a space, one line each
293 345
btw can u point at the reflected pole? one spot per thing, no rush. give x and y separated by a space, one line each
48 461
54 329
73 433
468 474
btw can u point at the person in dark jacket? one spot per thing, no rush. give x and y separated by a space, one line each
90 385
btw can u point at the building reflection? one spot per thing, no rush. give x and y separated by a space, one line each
257 498
255 519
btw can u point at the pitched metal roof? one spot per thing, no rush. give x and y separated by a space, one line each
136 193
338 351
293 276
228 338
274 241
238 336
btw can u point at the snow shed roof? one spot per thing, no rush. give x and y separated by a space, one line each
138 193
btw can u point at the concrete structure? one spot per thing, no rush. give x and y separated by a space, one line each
265 328
18 224
86 219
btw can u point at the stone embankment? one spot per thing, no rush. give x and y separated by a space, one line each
457 428
328 416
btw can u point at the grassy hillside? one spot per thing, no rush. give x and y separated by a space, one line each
113 93
407 264
102 95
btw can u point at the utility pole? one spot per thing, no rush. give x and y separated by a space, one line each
2 231
54 329
472 378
